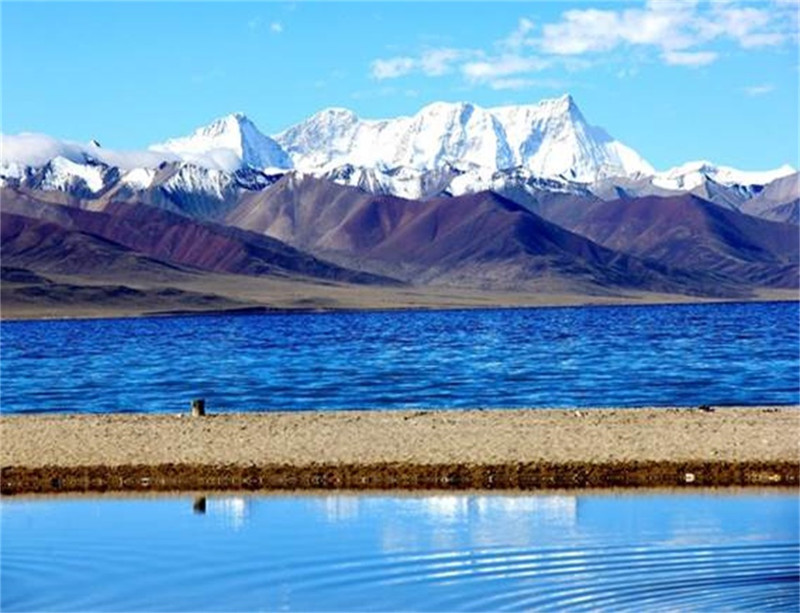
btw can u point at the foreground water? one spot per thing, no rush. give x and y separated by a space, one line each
560 357
688 551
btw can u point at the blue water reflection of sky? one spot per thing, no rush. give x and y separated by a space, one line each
397 552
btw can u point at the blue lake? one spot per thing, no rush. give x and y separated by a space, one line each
719 354
705 551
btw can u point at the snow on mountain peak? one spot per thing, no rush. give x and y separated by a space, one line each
550 138
234 133
61 172
457 143
337 113
558 106
691 175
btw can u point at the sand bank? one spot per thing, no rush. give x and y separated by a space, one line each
402 449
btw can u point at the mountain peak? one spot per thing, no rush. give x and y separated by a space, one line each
561 106
693 174
234 133
336 113
551 139
221 125
441 105
564 100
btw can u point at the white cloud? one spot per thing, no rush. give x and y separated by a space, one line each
667 25
581 31
686 33
759 90
689 58
276 27
512 83
660 24
392 67
437 62
503 66
30 149
750 27
518 38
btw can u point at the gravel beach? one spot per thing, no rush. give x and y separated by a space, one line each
525 449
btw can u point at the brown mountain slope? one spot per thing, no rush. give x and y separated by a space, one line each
44 246
167 238
478 240
693 234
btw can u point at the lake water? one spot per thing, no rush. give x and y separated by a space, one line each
665 551
556 357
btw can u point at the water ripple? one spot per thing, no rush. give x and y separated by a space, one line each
681 354
760 577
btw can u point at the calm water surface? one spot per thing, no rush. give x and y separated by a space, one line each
687 551
559 357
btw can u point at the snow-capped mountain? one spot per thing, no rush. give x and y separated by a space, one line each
234 134
444 149
84 179
405 182
691 175
549 139
553 139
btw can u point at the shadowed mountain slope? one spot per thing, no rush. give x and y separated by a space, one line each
163 236
45 246
690 233
481 240
778 201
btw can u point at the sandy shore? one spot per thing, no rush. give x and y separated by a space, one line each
410 449
74 296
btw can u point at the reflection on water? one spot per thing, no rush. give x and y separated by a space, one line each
233 511
199 505
698 551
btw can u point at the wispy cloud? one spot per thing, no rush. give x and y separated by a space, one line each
383 92
759 90
438 62
692 59
519 83
681 33
392 68
430 62
518 37
257 23
503 66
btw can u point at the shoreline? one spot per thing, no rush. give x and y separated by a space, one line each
412 450
249 310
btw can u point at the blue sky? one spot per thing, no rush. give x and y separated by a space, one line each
677 81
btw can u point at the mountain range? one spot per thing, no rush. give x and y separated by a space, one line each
527 198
